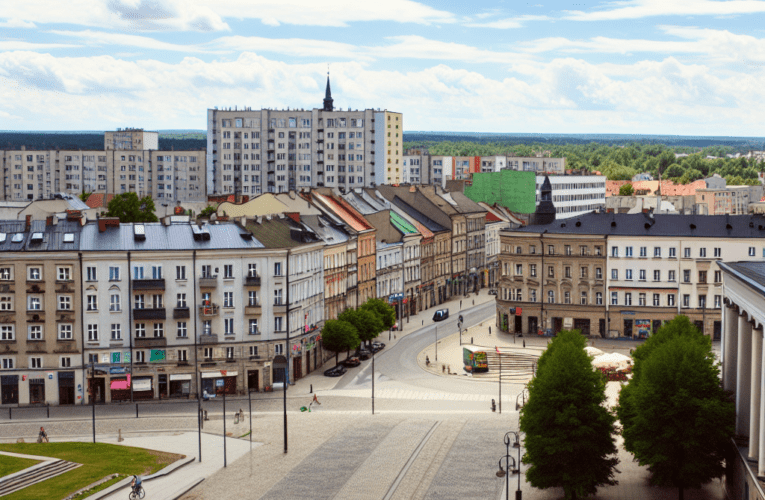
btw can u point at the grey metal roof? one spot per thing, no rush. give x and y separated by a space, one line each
328 232
419 216
643 224
52 236
752 272
225 236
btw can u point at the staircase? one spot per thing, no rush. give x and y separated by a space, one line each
35 474
516 368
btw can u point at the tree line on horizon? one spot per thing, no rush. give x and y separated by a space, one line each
40 141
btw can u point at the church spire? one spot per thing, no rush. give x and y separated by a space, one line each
328 106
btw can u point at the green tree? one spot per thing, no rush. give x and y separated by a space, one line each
676 418
338 336
84 196
626 190
129 208
673 170
207 211
367 323
569 432
383 310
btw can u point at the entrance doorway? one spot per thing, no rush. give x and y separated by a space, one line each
583 325
96 388
519 324
628 328
36 390
602 328
9 387
297 367
66 388
717 332
533 325
700 326
252 380
557 325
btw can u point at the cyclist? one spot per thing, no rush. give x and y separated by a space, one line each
136 484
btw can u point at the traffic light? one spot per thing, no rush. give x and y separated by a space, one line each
461 320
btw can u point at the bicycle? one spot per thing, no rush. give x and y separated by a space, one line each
137 492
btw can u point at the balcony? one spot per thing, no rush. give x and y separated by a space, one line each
209 310
252 281
256 309
208 281
158 284
158 313
181 313
150 342
209 338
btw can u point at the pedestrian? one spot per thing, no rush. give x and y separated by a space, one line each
43 436
427 360
316 399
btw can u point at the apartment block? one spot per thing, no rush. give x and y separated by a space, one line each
574 195
541 165
135 139
389 136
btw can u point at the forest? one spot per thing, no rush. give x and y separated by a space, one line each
38 141
619 161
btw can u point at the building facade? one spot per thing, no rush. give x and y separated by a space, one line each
574 195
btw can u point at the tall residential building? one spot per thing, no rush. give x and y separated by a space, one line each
389 167
135 139
272 151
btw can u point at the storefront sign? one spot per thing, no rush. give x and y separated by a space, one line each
643 327
115 370
142 384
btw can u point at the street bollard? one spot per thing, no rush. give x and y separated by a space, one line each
524 343
10 413
493 405
136 410
471 340
311 391
206 419
489 330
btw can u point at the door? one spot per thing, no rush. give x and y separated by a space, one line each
37 390
628 328
9 389
297 367
583 325
602 327
700 326
252 380
518 324
96 388
533 328
66 388
655 325
717 334
162 382
557 325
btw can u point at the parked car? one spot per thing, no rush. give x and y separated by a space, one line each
335 371
441 315
363 354
493 291
351 362
377 347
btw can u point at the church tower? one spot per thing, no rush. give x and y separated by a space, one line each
328 106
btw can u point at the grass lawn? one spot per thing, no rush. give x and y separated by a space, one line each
9 465
98 461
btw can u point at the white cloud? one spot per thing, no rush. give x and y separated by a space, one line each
90 37
21 45
509 23
635 9
296 47
562 95
16 23
417 47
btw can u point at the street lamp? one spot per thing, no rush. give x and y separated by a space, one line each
506 474
516 444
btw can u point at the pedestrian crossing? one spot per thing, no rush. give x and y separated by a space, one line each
411 394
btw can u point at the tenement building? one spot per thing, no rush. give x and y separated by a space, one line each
648 268
272 151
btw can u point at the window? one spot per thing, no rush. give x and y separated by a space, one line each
92 333
518 295
254 351
34 303
686 300
751 251
91 273
159 330
64 274
644 251
582 250
92 303
657 251
670 275
137 273
718 302
702 252
628 299
116 331
182 355
229 353
628 252
687 253
8 363
657 275
598 273
614 298
35 362
532 270
114 273
533 295
551 297
252 270
156 272
532 249
181 330
254 327
207 271
156 301
566 297
228 299
114 302
228 271
583 299
278 297
599 298
278 323
66 362
567 271
140 357
550 271
252 298
628 274
208 353
180 300
139 302
702 301
718 252
672 253
6 303
718 276
567 249
686 275
614 274
35 332
180 273
641 299
583 272
671 299
277 268
140 330
702 276
656 299
641 275
278 349
64 331
5 273
550 250
598 251
34 274
518 250
519 269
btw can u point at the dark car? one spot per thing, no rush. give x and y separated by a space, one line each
377 347
335 371
363 354
493 292
351 362
441 315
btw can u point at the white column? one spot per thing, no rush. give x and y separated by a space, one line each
743 376
730 347
754 412
761 458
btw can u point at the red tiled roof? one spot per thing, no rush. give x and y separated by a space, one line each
345 212
98 200
668 188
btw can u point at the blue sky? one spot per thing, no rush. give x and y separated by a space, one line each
690 67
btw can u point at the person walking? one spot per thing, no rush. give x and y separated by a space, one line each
43 436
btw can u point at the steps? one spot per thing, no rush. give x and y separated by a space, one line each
515 367
35 474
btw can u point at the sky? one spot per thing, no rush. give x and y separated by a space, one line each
681 67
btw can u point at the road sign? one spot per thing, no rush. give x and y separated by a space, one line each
219 382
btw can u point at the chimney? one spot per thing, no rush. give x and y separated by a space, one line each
73 215
28 223
104 222
294 216
49 221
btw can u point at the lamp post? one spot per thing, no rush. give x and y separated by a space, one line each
436 342
506 474
516 444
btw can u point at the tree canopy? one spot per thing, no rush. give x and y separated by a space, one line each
338 336
569 432
129 208
626 190
383 310
367 323
676 418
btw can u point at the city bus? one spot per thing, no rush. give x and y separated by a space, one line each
475 359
